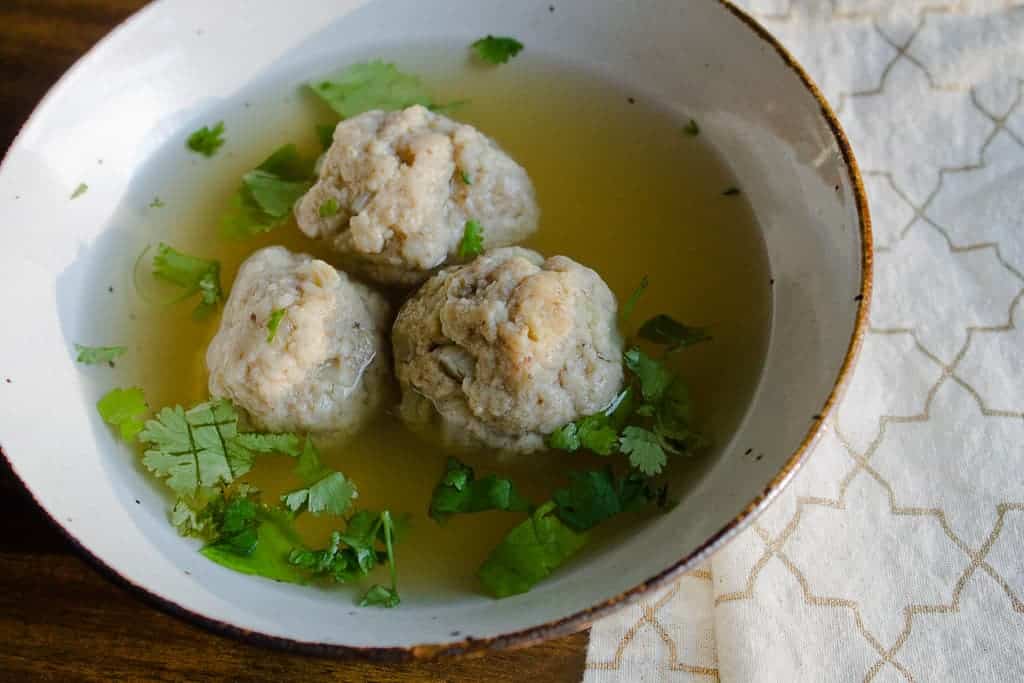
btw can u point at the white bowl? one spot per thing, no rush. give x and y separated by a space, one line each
153 77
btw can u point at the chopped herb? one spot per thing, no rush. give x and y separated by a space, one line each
285 443
191 273
497 49
202 447
529 553
370 85
157 203
328 208
378 595
326 490
459 492
472 243
644 450
268 193
654 377
268 555
634 298
465 177
206 140
594 496
731 191
274 322
80 190
691 128
664 329
92 355
325 134
599 432
123 408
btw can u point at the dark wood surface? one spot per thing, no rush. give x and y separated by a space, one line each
59 618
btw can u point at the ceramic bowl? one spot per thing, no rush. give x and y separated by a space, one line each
153 77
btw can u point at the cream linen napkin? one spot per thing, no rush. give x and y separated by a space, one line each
897 554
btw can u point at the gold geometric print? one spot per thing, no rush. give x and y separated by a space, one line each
897 553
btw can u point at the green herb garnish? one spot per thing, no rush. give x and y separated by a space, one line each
157 203
594 496
459 492
497 49
382 596
202 447
465 177
80 190
326 491
691 128
191 273
206 140
666 330
274 322
328 208
268 193
124 408
644 450
93 355
653 375
472 243
529 553
267 555
370 85
325 134
633 300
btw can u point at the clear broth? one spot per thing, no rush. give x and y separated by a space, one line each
622 189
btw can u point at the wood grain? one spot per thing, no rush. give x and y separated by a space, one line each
60 619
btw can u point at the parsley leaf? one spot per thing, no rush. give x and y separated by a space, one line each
268 193
654 377
202 448
328 208
529 553
326 490
691 128
206 140
191 273
80 190
634 298
460 492
370 85
497 49
465 177
123 409
91 355
664 329
268 555
594 496
644 450
378 595
274 322
472 243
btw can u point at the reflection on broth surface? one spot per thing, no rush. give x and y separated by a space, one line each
622 188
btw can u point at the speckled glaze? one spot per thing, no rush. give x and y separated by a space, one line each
149 81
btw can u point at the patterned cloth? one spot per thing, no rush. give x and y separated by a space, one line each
897 554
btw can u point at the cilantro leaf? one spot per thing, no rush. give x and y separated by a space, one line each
654 376
465 177
599 432
644 450
325 134
529 553
664 329
206 140
378 595
370 85
123 409
594 496
80 190
268 555
267 193
691 128
459 492
274 322
325 491
236 525
565 438
328 208
472 243
191 273
634 298
497 49
91 355
285 443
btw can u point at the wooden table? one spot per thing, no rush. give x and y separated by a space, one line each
60 619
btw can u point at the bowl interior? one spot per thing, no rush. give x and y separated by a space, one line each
178 61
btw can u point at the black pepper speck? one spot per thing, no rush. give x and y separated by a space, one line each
749 451
631 100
